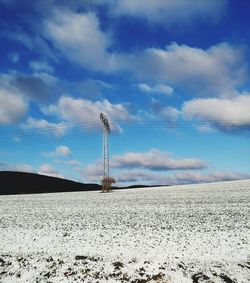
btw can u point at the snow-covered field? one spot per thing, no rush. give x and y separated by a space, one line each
194 233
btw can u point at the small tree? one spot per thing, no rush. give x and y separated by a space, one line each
107 183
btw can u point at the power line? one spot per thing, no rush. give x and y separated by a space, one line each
94 126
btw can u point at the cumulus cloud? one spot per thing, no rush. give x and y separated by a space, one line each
155 160
215 71
48 170
13 107
45 127
79 37
159 88
61 150
223 112
212 72
169 114
169 12
165 113
84 111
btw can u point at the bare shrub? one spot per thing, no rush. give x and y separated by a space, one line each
107 183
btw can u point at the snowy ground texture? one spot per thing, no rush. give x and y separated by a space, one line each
194 233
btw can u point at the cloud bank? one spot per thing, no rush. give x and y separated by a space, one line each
168 12
153 178
224 113
155 160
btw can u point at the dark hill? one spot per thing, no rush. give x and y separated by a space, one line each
26 183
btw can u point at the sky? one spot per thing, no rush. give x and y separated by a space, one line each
171 76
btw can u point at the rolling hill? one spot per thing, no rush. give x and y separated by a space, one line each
23 183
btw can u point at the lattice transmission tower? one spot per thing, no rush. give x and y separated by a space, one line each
106 132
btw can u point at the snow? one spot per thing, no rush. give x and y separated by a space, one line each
191 233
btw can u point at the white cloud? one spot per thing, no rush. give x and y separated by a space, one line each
44 169
147 168
48 170
79 110
61 150
45 127
12 107
44 71
195 177
212 72
225 112
93 172
152 160
129 177
137 176
32 42
215 71
169 12
71 162
79 37
159 88
169 114
155 160
48 79
41 66
141 175
206 127
22 167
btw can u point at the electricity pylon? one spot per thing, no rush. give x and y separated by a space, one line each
106 132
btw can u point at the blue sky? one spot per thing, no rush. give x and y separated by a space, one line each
171 76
